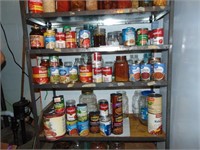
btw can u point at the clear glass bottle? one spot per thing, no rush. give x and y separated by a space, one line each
135 104
90 99
124 103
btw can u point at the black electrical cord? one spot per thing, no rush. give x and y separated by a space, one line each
12 52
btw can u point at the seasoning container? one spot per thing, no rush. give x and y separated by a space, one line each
121 69
50 40
145 3
91 5
159 2
77 5
59 105
36 38
49 6
124 4
103 107
105 126
35 6
63 6
99 37
128 36
94 125
125 103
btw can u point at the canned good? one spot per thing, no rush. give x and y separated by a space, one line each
71 39
85 73
117 128
94 122
158 36
159 71
83 128
82 112
103 107
50 40
97 75
71 127
134 72
145 72
116 104
142 36
84 38
71 110
53 61
64 74
128 36
96 60
59 104
105 126
73 74
60 40
54 75
40 75
155 123
154 103
54 125
35 6
107 74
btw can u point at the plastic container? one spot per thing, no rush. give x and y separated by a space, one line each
135 104
124 103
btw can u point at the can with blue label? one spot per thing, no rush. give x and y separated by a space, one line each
145 71
64 74
128 36
105 126
54 75
71 127
50 40
83 128
158 71
134 72
84 38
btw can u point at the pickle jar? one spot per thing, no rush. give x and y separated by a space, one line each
78 5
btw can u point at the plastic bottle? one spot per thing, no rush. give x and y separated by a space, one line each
135 104
124 103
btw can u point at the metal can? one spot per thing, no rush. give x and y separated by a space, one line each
105 126
142 36
71 127
107 74
82 112
50 40
158 36
83 128
64 74
73 74
71 110
84 38
117 128
128 36
155 123
59 104
35 6
53 61
154 103
71 39
94 122
103 107
97 75
158 71
96 60
40 75
116 104
85 73
134 72
54 125
60 40
145 71
54 75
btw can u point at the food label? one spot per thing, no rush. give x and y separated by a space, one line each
85 73
97 75
71 113
105 128
82 113
103 109
159 71
71 127
84 38
71 39
59 105
73 73
145 72
155 123
40 75
37 41
83 128
54 75
154 104
64 75
35 6
50 42
158 36
134 72
128 36
107 74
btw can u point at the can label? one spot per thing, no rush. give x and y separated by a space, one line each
105 128
59 105
158 36
94 122
145 72
54 75
142 36
118 118
64 74
71 39
83 128
85 73
53 61
84 38
117 128
35 6
71 127
97 75
128 36
71 113
158 71
107 74
54 126
103 107
60 40
134 72
82 112
37 41
155 123
154 103
40 75
73 74
50 42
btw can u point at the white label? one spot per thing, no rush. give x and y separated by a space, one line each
154 123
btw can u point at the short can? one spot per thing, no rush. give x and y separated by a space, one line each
145 72
128 36
82 112
71 110
154 103
117 128
134 72
59 104
158 71
83 128
97 75
142 36
54 125
84 38
54 75
107 74
94 122
103 107
105 126
64 74
40 75
155 123
85 73
71 127
158 36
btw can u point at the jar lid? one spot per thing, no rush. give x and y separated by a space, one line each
146 93
70 102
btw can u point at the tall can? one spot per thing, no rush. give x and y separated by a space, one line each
84 38
142 36
85 73
35 6
71 39
128 36
154 103
134 72
155 123
97 75
103 107
59 104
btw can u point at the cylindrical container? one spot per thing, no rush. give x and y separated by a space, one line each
54 75
91 28
36 38
73 74
124 4
64 75
97 75
40 75
145 71
117 145
83 128
159 2
154 103
94 122
134 72
50 40
96 60
135 3
103 107
99 37
107 73
145 3
142 36
91 5
85 75
71 39
121 69
84 38
158 36
117 128
158 71
77 5
82 112
63 5
116 104
53 61
71 127
35 6
105 126
98 145
54 125
125 103
60 40
155 123
49 6
71 110
128 36
59 105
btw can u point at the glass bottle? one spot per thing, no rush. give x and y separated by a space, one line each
121 69
135 103
99 37
90 99
36 38
77 5
124 103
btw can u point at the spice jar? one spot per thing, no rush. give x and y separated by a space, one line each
91 5
99 37
121 68
77 5
63 5
36 38
49 6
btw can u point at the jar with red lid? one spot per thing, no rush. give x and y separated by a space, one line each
124 3
121 68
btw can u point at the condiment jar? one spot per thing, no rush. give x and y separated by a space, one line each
121 68
77 5
99 37
49 6
36 38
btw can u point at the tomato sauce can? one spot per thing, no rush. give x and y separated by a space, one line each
142 36
97 75
145 71
40 75
103 107
59 104
128 36
158 71
105 126
54 125
60 40
35 6
158 36
71 39
84 38
107 74
155 123
134 72
154 103
85 73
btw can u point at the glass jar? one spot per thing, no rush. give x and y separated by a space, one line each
124 103
143 107
99 37
145 3
91 5
49 6
121 69
89 98
77 5
124 4
36 38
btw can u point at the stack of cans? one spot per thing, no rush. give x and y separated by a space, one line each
97 67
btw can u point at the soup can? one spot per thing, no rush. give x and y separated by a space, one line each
107 74
128 36
158 36
59 104
84 38
134 72
54 125
142 36
97 75
40 75
159 71
103 107
83 128
71 127
71 110
105 126
85 73
145 71
155 123
154 103
82 112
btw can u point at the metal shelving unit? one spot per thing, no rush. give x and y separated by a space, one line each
122 16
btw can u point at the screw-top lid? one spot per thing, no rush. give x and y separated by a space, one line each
146 93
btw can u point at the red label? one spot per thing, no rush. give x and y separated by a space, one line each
71 39
107 71
60 36
104 107
71 110
97 71
97 56
35 6
158 32
85 73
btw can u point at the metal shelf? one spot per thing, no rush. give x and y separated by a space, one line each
102 49
102 86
